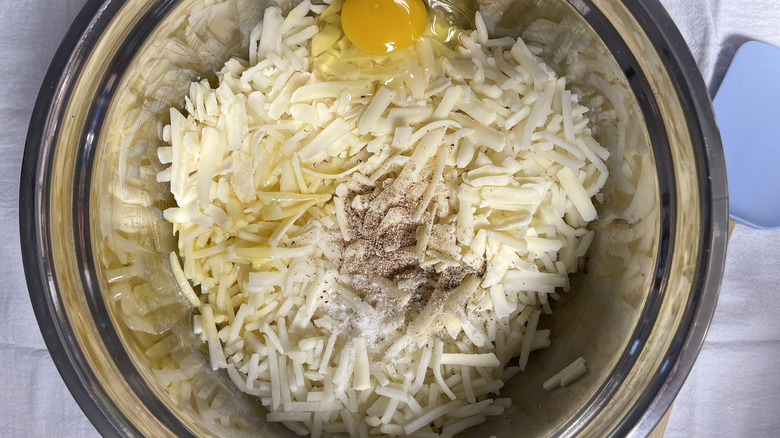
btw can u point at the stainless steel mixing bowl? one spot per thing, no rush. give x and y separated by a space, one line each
638 316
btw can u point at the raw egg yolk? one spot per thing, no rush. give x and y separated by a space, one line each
381 26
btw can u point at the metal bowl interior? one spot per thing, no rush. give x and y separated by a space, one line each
638 316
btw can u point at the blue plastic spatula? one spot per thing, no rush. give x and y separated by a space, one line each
747 107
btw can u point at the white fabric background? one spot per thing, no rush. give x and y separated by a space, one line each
733 390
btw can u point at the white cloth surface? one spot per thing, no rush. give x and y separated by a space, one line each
733 390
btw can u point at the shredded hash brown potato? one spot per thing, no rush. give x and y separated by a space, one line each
370 242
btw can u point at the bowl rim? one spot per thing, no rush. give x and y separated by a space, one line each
50 106
713 202
69 60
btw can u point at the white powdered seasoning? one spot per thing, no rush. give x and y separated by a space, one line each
373 240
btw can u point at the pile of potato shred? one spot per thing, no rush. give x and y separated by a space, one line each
481 151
